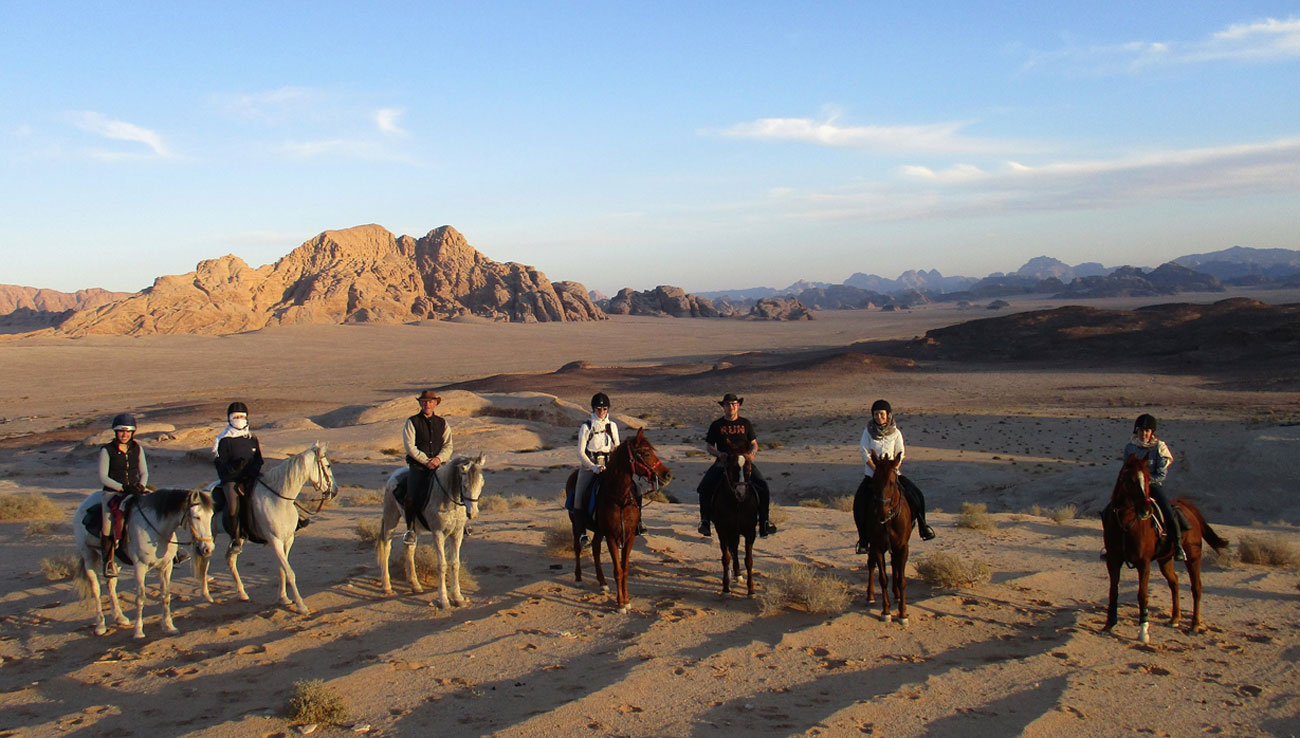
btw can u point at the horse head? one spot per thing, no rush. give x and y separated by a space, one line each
645 461
737 469
198 517
467 480
320 473
1133 486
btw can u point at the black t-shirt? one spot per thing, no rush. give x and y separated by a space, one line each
736 435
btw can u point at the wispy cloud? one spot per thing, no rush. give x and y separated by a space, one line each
386 120
101 125
343 148
966 190
272 106
1256 41
934 137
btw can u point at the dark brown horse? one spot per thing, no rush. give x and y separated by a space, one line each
734 512
1129 530
884 522
617 510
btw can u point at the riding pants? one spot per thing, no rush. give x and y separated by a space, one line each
1171 521
713 477
417 493
581 499
915 499
231 514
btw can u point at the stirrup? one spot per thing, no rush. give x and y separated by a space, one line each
766 528
860 548
704 529
584 540
927 533
409 538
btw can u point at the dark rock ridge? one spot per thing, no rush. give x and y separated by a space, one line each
1127 281
662 300
779 308
355 275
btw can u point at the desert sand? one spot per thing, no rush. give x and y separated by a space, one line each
536 654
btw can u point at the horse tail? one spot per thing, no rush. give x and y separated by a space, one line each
1208 535
81 580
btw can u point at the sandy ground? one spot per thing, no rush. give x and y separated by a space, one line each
536 654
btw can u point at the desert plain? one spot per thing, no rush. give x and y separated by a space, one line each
533 653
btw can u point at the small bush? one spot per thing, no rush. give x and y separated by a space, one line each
367 532
661 496
1254 550
60 568
525 502
426 568
494 504
367 497
40 528
27 506
800 587
316 702
1063 514
816 503
392 452
949 571
1211 559
558 538
975 515
843 503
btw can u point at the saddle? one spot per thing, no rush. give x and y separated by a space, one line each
120 507
400 491
245 513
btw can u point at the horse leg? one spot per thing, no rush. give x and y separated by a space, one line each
440 550
1113 565
871 581
878 555
384 546
232 562
201 565
575 525
595 560
88 569
166 574
726 562
1144 579
898 560
1171 576
618 575
412 578
623 598
140 571
119 617
1194 578
749 563
281 549
457 598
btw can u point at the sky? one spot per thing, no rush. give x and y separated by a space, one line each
713 145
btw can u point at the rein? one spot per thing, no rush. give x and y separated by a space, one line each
320 501
188 522
460 498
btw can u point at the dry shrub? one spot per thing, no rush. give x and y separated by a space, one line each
975 515
660 496
1063 514
40 528
61 567
1254 550
525 502
558 538
1211 559
1039 511
315 702
367 532
426 568
843 503
494 504
801 587
27 506
816 503
949 571
366 497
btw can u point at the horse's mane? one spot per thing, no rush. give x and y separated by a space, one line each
276 476
475 475
164 503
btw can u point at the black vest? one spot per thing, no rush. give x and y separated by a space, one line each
123 466
239 459
428 435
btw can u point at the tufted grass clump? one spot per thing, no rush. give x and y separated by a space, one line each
558 538
1063 514
801 587
426 567
60 568
38 528
494 504
1265 552
975 515
315 702
949 571
1211 559
27 506
843 503
366 497
367 532
815 503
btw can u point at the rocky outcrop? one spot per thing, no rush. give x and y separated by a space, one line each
1128 281
780 308
662 300
356 275
35 300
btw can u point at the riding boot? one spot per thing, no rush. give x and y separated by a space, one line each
704 528
640 522
108 547
1177 541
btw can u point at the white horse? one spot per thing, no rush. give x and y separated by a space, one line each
453 502
273 508
150 528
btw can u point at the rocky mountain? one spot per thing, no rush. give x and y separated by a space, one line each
1243 264
911 280
14 297
779 308
1128 281
1046 267
356 275
664 300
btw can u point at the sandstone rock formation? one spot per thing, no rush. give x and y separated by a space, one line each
780 308
662 300
355 275
14 297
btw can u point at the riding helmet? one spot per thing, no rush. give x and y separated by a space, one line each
124 421
599 400
879 405
237 407
1145 421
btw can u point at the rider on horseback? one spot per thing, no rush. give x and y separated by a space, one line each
1145 445
884 437
123 471
732 431
427 438
597 439
237 455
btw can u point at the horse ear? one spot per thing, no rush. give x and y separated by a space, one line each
640 434
874 459
482 459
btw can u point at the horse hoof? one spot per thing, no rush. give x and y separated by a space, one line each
139 635
172 630
459 603
902 622
388 592
604 588
1144 636
124 622
622 610
100 630
887 618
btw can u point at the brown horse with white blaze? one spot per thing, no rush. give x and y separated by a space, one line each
884 522
618 511
1129 530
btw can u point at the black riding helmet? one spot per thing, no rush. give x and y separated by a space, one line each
1145 421
124 421
599 400
881 405
237 407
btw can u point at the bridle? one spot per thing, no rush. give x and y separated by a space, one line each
459 498
639 467
190 521
324 476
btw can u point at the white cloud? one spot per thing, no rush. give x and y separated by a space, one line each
271 106
934 137
343 148
386 121
102 125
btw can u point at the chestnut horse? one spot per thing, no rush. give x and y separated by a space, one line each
884 521
617 510
734 512
1128 528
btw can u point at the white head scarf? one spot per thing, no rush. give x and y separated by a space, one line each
232 431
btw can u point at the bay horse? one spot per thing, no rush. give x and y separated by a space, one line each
458 484
617 510
1129 531
150 543
734 512
884 521
273 507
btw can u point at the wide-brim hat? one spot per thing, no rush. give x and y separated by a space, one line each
429 395
731 397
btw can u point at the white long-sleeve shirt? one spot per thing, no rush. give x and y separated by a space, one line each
408 440
890 445
592 440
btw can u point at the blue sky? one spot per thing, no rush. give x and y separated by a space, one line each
706 145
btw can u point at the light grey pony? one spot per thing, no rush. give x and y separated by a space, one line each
273 507
150 527
452 503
